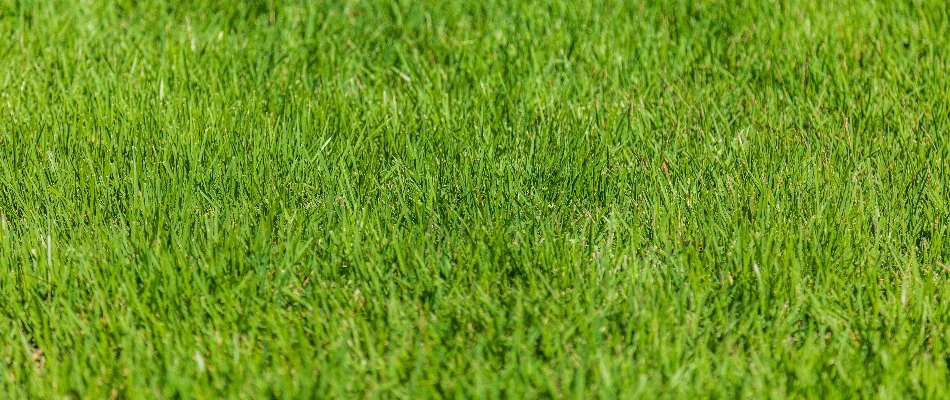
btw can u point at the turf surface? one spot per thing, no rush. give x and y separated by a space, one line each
476 199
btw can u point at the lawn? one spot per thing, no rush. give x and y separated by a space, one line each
492 199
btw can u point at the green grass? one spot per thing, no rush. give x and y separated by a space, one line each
474 199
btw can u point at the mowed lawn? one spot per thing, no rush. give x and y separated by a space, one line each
492 199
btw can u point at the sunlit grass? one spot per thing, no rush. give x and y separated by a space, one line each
474 199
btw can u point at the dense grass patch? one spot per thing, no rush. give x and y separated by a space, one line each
493 199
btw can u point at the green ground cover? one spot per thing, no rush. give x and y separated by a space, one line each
474 199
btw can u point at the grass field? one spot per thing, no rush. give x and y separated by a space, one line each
569 199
